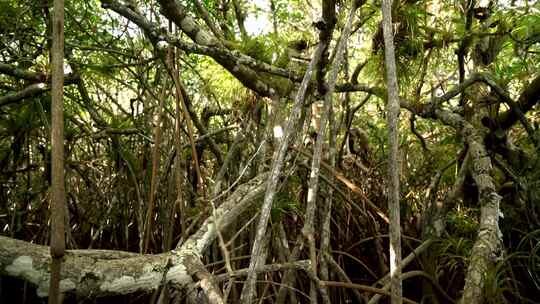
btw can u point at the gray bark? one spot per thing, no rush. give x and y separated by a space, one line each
393 169
487 247
102 273
58 197
385 281
313 185
248 292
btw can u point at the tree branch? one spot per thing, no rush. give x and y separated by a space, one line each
29 91
243 67
96 275
35 77
206 17
528 99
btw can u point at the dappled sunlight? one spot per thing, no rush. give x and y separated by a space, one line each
263 151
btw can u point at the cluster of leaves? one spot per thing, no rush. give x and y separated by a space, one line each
109 173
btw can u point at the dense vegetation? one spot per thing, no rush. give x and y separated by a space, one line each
227 151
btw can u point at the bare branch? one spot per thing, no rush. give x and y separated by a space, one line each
96 275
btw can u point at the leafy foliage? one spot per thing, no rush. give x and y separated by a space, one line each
111 118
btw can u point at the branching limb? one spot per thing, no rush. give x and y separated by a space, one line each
344 277
412 121
91 275
240 18
240 65
462 51
207 19
29 91
248 292
313 184
406 261
489 243
34 77
364 288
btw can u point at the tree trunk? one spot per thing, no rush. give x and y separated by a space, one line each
393 169
58 241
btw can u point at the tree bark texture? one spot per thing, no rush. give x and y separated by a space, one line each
487 247
58 205
248 292
313 184
393 166
101 273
